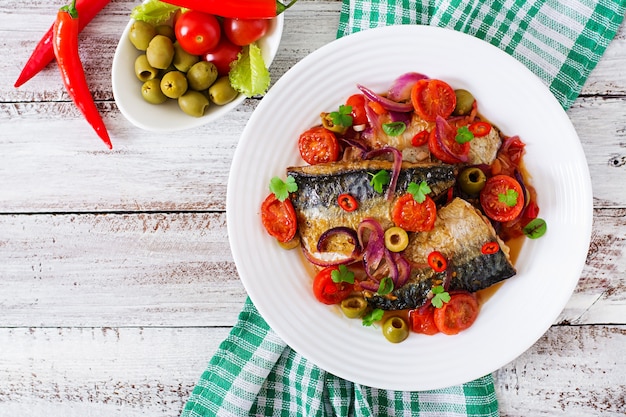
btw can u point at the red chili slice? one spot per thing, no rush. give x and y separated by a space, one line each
490 248
437 261
420 138
480 129
347 202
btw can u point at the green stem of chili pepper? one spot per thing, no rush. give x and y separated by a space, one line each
65 45
43 53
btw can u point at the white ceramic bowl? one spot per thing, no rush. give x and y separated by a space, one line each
168 117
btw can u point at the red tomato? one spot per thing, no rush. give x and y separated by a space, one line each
432 98
326 290
197 32
222 55
357 102
279 218
413 216
453 151
318 145
243 32
492 198
457 314
422 320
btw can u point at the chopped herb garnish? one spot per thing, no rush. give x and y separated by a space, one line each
380 179
281 189
394 128
535 228
372 317
342 117
419 191
343 274
440 296
386 286
509 198
463 135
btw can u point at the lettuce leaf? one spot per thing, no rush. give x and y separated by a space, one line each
153 11
249 74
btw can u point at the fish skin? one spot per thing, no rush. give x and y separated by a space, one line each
315 201
459 233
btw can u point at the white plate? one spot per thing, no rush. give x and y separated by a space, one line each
168 117
548 268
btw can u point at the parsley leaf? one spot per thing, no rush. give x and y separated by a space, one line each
535 228
440 296
372 317
419 191
343 274
509 198
342 117
463 135
394 128
281 189
380 179
386 286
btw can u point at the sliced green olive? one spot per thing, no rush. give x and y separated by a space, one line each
472 180
395 329
354 306
291 244
396 239
464 102
328 123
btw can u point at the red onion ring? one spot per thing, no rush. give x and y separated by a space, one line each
401 87
395 171
384 101
441 125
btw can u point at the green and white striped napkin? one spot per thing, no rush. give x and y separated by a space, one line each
560 41
253 371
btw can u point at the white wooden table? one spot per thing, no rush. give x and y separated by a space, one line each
116 279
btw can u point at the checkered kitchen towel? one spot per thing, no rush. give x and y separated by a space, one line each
560 41
253 371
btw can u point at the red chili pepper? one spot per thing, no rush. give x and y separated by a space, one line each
480 129
44 52
437 261
65 45
420 138
490 248
242 9
347 202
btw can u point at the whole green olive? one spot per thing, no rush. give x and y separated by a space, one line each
166 30
464 102
353 306
160 52
395 329
396 239
151 91
183 60
472 180
194 103
140 34
143 70
201 75
174 84
221 92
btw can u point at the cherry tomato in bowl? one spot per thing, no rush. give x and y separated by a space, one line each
243 32
197 32
222 55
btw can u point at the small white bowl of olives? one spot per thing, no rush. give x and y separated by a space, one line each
148 97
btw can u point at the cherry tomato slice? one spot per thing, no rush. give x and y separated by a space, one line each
347 202
490 248
437 261
197 32
413 216
432 98
327 291
357 102
243 32
479 129
318 145
279 218
457 314
422 320
453 151
421 138
493 202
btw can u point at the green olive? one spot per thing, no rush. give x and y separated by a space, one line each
291 244
160 52
166 30
140 34
464 102
395 329
194 103
183 60
202 75
151 92
396 239
354 306
174 84
143 70
221 92
472 180
329 124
